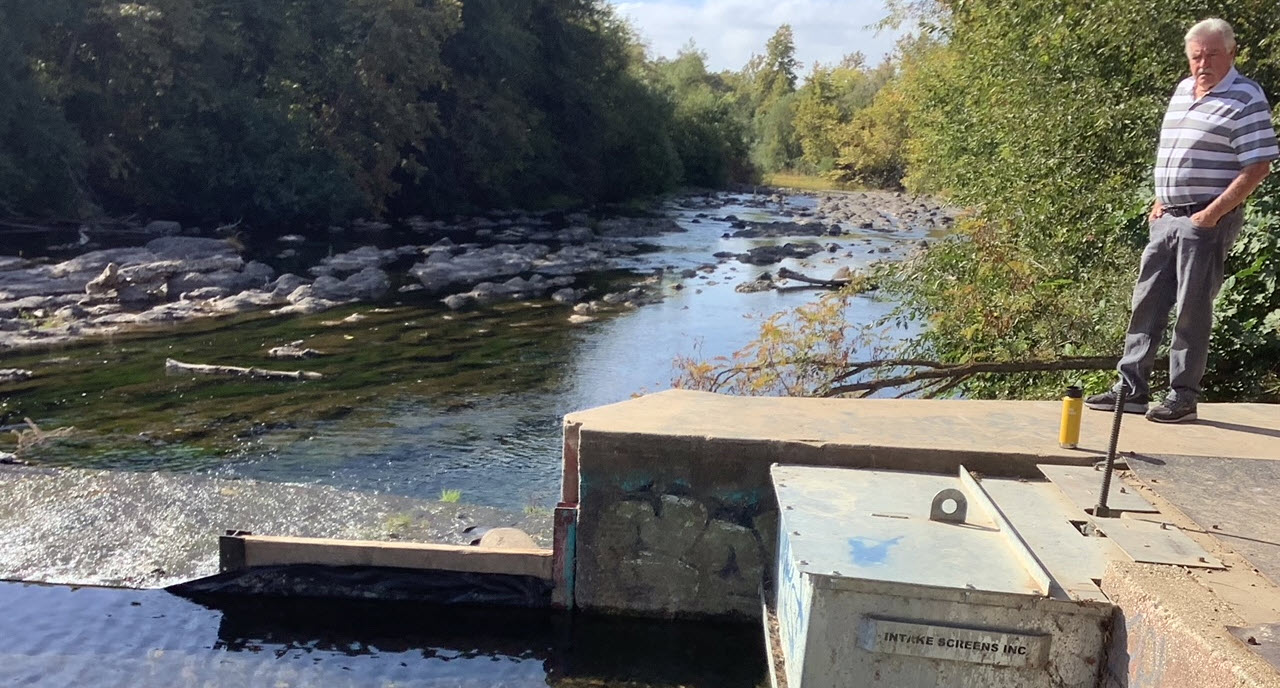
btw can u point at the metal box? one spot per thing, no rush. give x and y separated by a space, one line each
903 579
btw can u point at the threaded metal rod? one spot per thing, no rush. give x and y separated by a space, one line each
1102 510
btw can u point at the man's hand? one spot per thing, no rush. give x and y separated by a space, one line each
1204 220
1157 209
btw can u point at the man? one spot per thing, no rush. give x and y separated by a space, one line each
1216 146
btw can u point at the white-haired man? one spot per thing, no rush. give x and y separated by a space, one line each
1216 145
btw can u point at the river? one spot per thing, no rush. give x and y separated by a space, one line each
418 399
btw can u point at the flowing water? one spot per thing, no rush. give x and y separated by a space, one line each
415 399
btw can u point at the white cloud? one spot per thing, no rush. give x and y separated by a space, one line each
730 31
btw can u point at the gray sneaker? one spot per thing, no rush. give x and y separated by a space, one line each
1173 411
1107 402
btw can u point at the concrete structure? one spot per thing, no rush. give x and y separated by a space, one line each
667 510
675 511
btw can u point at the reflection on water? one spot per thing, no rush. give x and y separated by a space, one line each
415 399
56 636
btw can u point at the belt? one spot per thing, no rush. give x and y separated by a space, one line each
1185 210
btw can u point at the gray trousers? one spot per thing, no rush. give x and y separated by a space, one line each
1182 268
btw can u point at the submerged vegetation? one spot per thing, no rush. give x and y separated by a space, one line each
1041 118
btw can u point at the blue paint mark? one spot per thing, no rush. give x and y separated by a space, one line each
868 552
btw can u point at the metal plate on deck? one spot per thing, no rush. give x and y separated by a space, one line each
1155 543
1044 515
1081 484
1235 500
874 525
1263 640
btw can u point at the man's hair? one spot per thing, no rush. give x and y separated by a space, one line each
1212 27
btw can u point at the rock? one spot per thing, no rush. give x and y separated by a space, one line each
15 374
762 283
243 302
443 271
585 308
286 284
638 227
658 580
567 295
618 529
258 274
507 538
105 284
756 230
204 294
165 227
679 523
305 304
730 550
13 263
766 255
575 235
291 239
293 350
577 319
370 284
457 302
359 259
371 226
188 248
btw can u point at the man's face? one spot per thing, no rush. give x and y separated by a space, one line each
1210 60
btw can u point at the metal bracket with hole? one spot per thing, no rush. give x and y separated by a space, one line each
937 513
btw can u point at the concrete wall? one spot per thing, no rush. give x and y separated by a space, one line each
686 526
1170 632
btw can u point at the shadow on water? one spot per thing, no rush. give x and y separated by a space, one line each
59 636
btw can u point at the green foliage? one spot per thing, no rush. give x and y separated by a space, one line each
314 111
450 496
40 155
1045 117
707 130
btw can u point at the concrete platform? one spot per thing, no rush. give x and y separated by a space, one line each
673 519
1013 429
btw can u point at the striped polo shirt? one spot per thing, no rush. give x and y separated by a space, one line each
1205 143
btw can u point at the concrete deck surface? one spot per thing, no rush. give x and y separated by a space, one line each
1024 428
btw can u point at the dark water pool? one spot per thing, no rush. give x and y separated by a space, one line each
61 637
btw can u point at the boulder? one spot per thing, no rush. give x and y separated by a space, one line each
165 227
188 248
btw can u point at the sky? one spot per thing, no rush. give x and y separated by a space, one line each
729 31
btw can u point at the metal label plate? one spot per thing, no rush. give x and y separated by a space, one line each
976 645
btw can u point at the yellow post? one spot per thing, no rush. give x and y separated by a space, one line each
1069 429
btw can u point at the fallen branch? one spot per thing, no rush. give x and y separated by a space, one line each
172 367
947 372
784 273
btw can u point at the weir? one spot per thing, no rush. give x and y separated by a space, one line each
878 542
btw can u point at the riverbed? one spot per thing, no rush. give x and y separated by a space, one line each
418 399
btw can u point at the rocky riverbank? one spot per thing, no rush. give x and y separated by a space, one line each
464 262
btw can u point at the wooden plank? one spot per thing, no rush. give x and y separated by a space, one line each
265 550
1081 484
